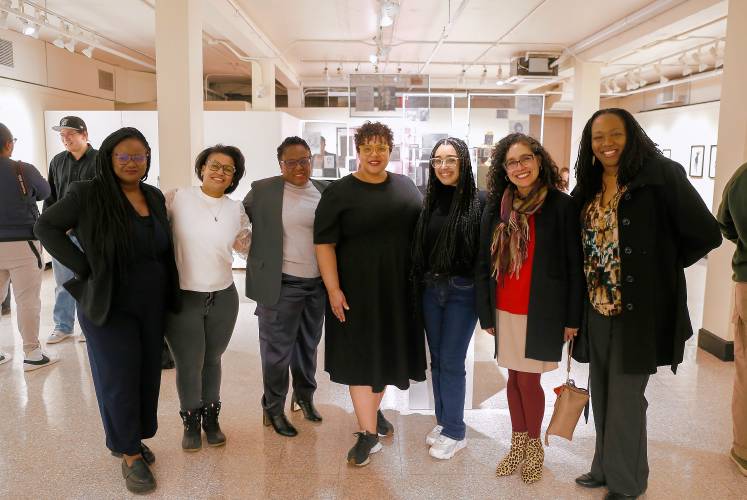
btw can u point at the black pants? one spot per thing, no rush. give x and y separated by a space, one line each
289 333
125 357
619 404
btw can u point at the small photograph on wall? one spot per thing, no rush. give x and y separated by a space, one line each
696 160
518 126
667 153
712 162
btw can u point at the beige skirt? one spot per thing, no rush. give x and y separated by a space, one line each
512 341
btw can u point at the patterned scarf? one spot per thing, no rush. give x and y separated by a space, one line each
510 244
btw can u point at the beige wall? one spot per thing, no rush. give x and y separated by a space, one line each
557 139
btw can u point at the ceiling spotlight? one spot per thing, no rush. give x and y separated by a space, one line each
500 81
607 87
702 66
59 42
325 73
462 77
376 68
660 73
30 29
373 58
686 69
70 45
484 75
389 10
630 82
640 81
357 67
615 87
88 51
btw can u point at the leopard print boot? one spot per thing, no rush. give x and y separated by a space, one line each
515 455
532 470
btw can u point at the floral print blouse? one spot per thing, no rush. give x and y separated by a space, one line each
602 255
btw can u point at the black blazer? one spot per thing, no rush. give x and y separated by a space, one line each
663 227
93 284
557 287
264 206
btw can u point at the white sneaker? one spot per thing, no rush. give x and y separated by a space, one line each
38 359
444 448
58 336
432 436
5 357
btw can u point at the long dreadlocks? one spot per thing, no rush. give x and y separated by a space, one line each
456 245
113 236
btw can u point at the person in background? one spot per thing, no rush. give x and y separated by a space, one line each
206 226
444 256
125 280
21 186
642 224
530 285
282 276
76 163
732 217
363 236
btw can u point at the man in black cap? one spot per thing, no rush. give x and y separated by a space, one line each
76 163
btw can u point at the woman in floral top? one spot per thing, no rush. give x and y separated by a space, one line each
642 224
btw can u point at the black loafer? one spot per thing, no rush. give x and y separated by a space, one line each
280 424
309 411
148 456
588 481
138 478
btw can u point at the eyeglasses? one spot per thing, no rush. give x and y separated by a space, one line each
368 149
124 158
303 162
449 161
214 166
512 165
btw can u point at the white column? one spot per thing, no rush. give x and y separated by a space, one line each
263 85
586 83
732 152
179 87
295 98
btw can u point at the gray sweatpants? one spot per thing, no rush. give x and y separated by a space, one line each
619 404
198 336
19 264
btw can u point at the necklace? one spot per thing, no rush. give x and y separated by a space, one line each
207 205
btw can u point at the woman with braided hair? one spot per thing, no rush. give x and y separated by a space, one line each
444 255
530 284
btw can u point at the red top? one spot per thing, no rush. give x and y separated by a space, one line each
513 296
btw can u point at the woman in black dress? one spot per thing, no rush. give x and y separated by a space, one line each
362 232
125 279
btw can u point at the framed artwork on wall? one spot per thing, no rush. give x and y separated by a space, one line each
696 161
712 162
667 153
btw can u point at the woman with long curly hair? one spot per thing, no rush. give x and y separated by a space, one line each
642 224
125 280
530 284
444 256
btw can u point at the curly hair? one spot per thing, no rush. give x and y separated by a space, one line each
498 177
236 156
456 244
371 130
293 140
638 148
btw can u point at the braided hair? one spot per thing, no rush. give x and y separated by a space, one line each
113 237
456 245
638 148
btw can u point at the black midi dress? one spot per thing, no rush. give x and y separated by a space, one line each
372 226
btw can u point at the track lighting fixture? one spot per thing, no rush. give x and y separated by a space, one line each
88 51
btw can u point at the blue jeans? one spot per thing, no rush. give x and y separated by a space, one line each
63 314
450 316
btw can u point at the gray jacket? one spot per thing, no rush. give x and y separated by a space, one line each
264 206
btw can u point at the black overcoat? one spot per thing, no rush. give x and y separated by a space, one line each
663 227
557 285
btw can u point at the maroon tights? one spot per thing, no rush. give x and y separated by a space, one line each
526 402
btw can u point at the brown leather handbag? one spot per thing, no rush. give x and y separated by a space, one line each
569 405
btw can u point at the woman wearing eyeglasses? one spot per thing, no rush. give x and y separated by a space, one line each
363 233
206 226
444 257
282 276
530 284
125 280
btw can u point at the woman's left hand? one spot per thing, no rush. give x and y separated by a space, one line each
569 333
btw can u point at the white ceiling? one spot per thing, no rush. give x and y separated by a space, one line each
309 34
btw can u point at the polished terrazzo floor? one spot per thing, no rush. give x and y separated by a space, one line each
52 444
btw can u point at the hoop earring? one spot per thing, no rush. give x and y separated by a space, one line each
506 177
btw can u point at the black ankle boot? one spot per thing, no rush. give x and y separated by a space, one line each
210 424
192 439
309 411
279 423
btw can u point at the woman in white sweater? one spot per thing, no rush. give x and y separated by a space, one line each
207 227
